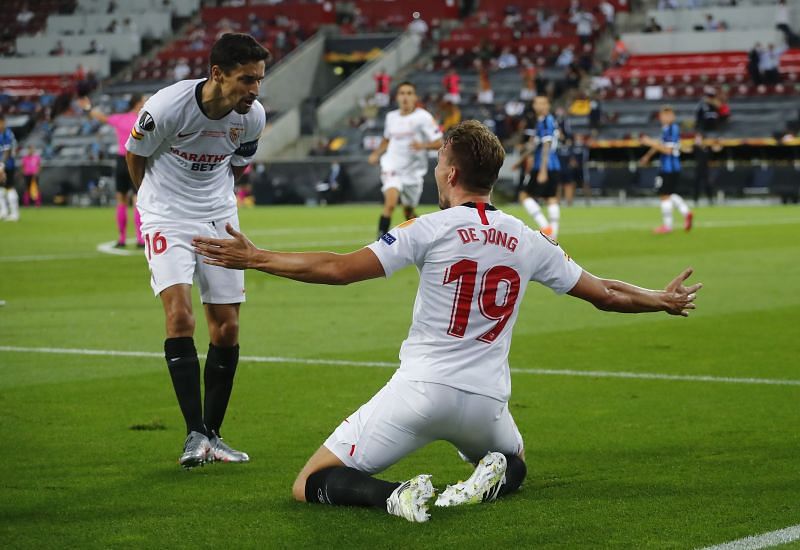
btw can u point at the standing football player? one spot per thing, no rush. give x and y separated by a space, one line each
542 181
9 198
122 124
409 133
669 172
454 382
191 142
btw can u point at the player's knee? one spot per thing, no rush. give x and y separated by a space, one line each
180 321
299 488
226 333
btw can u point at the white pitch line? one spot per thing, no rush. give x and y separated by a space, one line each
386 364
108 248
767 540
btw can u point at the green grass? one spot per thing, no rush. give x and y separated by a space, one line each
91 442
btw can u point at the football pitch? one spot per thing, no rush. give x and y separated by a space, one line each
641 431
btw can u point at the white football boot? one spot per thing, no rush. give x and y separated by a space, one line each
221 452
410 500
196 450
482 486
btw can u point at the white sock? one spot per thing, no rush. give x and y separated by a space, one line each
535 211
666 213
554 213
13 203
680 204
3 205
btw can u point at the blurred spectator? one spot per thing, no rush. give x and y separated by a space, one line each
418 25
620 53
783 21
24 17
586 59
450 115
129 26
582 106
769 64
652 26
546 22
31 164
712 111
584 25
181 70
711 24
327 189
609 13
754 62
485 92
452 87
565 58
383 84
528 71
94 48
507 59
58 49
112 7
112 27
595 114
668 4
702 179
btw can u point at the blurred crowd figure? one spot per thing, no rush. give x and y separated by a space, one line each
764 64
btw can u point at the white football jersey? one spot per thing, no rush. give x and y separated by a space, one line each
475 263
188 173
402 131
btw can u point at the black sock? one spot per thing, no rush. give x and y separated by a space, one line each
515 475
383 225
347 487
184 369
218 378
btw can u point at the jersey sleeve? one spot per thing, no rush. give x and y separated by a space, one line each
387 134
548 129
552 266
406 244
430 129
154 125
249 143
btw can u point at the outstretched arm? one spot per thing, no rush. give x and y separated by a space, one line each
609 295
309 267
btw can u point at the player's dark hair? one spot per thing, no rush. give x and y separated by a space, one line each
135 99
405 83
234 49
476 152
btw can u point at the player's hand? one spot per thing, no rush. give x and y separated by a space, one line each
417 146
679 299
373 158
235 253
541 177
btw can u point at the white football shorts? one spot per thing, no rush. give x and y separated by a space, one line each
172 259
406 415
409 185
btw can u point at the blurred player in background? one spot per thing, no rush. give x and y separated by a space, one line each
125 192
9 198
541 182
669 147
454 382
409 133
191 142
31 166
